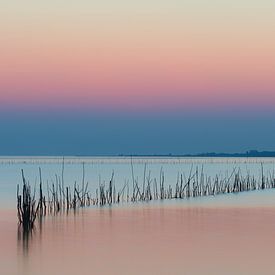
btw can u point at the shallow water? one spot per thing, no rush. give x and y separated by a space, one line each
154 240
101 168
222 235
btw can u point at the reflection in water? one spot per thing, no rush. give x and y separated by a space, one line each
147 240
26 237
24 242
23 239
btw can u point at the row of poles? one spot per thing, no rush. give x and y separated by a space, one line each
60 198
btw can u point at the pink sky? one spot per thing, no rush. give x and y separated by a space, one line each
185 57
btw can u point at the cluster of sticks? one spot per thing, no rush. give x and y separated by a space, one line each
197 184
26 206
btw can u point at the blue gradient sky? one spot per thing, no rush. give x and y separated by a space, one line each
93 133
136 77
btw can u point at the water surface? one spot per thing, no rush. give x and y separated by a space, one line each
222 235
100 169
154 240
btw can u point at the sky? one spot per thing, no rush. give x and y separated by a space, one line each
136 77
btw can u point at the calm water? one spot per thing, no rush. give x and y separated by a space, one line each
100 169
169 240
223 235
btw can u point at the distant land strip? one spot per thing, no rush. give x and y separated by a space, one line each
251 154
247 154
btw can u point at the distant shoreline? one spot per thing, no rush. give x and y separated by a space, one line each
248 154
